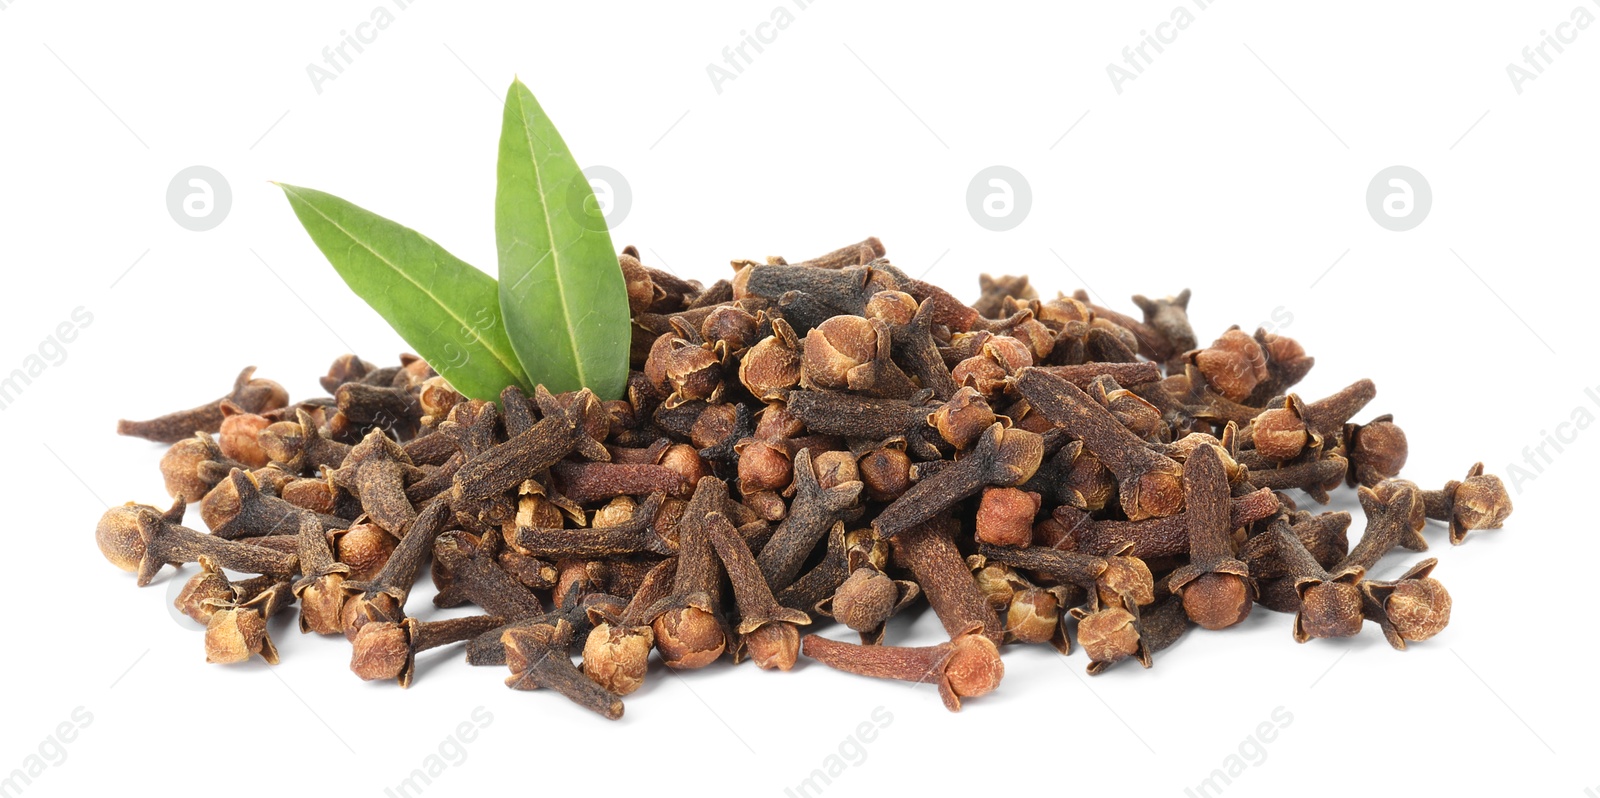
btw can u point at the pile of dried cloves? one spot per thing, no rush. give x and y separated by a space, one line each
824 439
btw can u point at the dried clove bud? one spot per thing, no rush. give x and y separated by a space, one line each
929 552
1479 502
1002 458
140 539
1376 450
180 467
236 632
1005 516
537 656
1150 484
966 667
1215 586
771 636
385 651
377 472
250 394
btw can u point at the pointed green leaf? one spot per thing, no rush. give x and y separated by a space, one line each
561 290
443 307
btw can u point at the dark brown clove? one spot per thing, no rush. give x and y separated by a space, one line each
538 657
211 590
481 486
140 539
1002 458
1413 608
815 510
320 587
476 575
867 599
181 471
1114 581
1315 477
1478 502
238 508
383 598
1215 586
590 482
635 535
1394 511
1325 604
301 447
1376 450
966 667
385 651
236 632
687 623
1150 484
616 654
363 408
770 633
914 348
1153 537
929 552
377 472
250 394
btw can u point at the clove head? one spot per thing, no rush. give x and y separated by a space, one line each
1233 365
1108 636
1005 516
1018 457
180 467
974 667
987 372
204 593
617 656
1156 493
437 399
240 436
684 460
1481 502
234 634
836 351
381 651
1280 433
1126 579
892 307
1418 608
772 366
688 638
360 610
1328 609
997 582
1218 600
322 603
693 372
774 645
962 419
865 599
1377 451
1033 615
732 326
124 533
886 472
834 469
365 548
763 465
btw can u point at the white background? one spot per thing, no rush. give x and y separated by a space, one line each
1236 164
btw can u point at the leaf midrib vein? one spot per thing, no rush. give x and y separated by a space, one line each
550 233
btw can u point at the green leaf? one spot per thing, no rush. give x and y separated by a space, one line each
442 306
561 290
